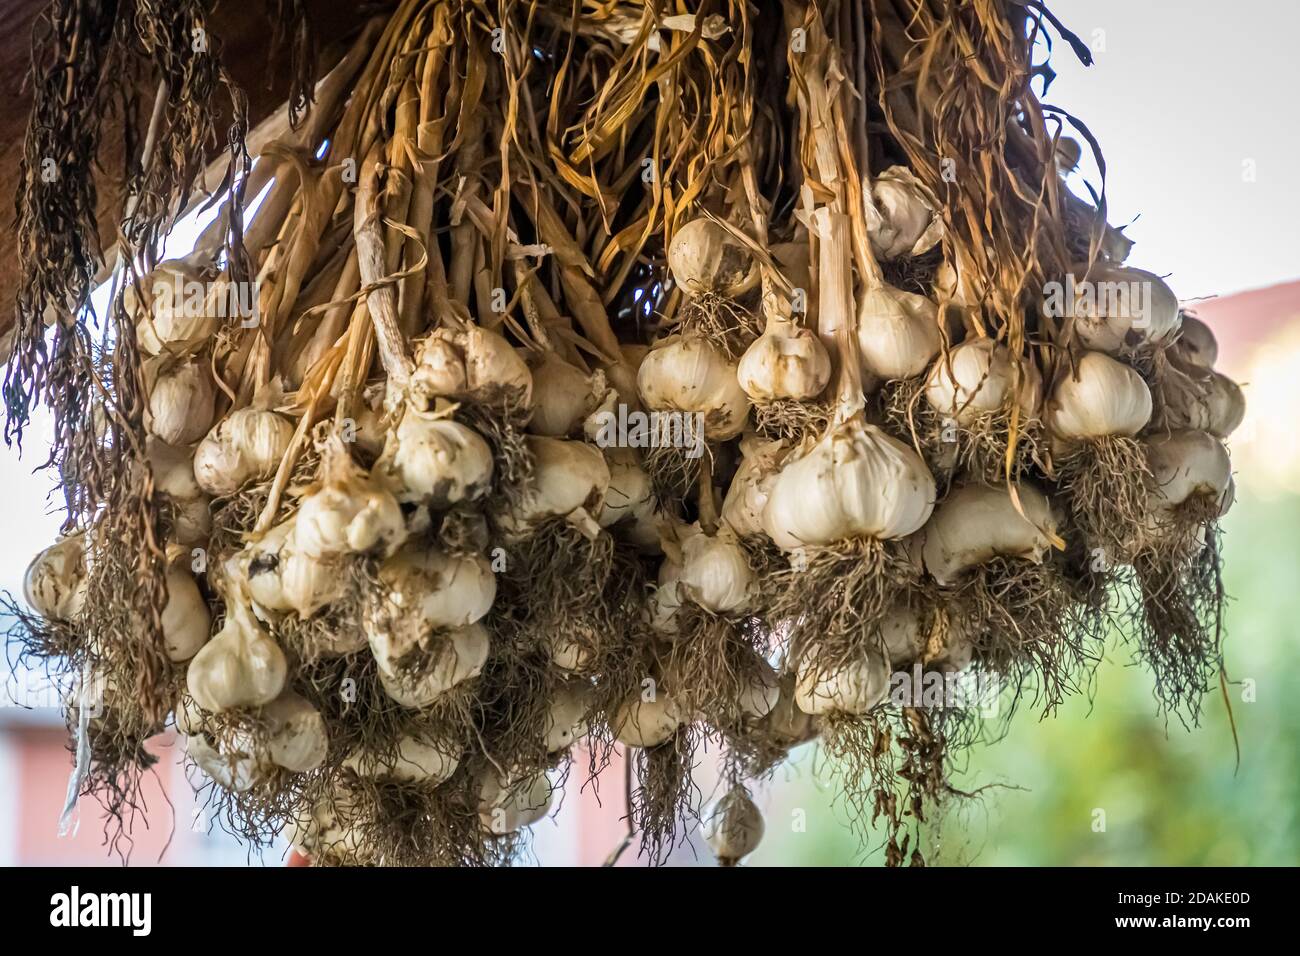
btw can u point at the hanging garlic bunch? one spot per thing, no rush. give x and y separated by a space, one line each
901 218
570 480
173 308
173 477
55 583
786 362
742 508
346 511
473 364
246 445
898 332
240 667
1117 309
453 658
842 687
714 572
432 459
976 523
563 396
186 622
415 760
978 377
507 806
705 258
181 400
856 481
687 374
1099 397
733 826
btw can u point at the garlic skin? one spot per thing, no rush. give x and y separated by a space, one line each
978 522
638 722
247 445
181 401
1121 308
630 493
785 362
240 667
705 258
742 508
976 378
1101 397
173 477
715 574
856 481
902 634
54 585
570 480
688 374
1189 464
898 333
296 737
563 396
568 655
236 771
347 511
901 218
762 692
667 598
854 687
426 590
169 318
474 364
733 826
785 723
330 827
416 761
432 459
565 723
457 657
1196 344
280 577
186 622
1201 401
959 284
507 807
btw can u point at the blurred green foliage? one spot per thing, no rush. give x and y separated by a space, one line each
1170 796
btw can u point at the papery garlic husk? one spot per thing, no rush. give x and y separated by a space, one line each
1121 308
785 362
247 445
630 493
296 738
1201 401
426 590
1187 464
667 598
347 511
1196 344
1101 396
281 578
181 400
330 827
850 687
242 666
415 761
237 770
761 692
174 311
978 522
454 658
475 364
368 431
733 826
705 258
902 634
55 583
689 374
563 396
898 333
976 378
432 459
570 480
639 722
715 574
566 718
505 807
742 508
960 284
567 654
901 219
186 622
856 481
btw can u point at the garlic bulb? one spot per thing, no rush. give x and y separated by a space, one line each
742 508
295 733
173 476
850 687
898 333
475 364
510 806
426 590
1202 401
240 667
331 827
785 724
1189 464
236 770
856 481
901 219
1100 397
563 396
55 583
733 827
705 258
173 310
181 401
432 459
570 480
1196 344
455 658
347 511
565 720
667 598
280 577
638 722
762 691
415 761
959 284
715 574
186 622
630 493
902 634
688 374
1118 308
977 377
247 445
977 523
567 654
785 362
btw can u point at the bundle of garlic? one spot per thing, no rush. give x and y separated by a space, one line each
466 464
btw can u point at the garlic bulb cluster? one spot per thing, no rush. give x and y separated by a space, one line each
705 258
181 400
570 480
173 308
507 806
980 376
415 760
242 666
563 396
1100 396
898 332
55 583
247 445
347 511
686 373
978 522
847 687
733 826
856 481
1117 309
432 459
742 508
647 719
901 218
785 362
474 364
715 574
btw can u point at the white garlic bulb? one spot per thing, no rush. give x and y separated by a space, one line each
475 364
762 691
570 480
505 807
173 476
55 583
567 654
247 445
705 258
742 508
901 219
415 761
1201 401
240 667
563 396
280 577
1196 344
456 657
295 735
186 622
902 635
1100 396
565 720
977 377
898 333
856 481
173 310
433 459
646 720
1189 464
849 687
347 511
785 362
630 493
667 598
330 826
181 400
785 724
236 770
978 522
1119 308
715 574
688 374
733 826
